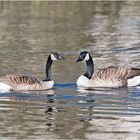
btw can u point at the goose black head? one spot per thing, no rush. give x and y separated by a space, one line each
84 56
56 56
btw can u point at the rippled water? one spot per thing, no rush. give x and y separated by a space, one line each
29 31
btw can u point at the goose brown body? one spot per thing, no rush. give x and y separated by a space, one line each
113 77
116 73
25 82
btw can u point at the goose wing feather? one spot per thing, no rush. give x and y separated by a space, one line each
116 73
18 79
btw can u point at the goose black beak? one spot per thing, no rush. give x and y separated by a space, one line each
61 57
78 60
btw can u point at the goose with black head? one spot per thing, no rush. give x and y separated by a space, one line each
18 82
108 77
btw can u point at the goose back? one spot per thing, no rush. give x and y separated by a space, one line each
116 73
22 79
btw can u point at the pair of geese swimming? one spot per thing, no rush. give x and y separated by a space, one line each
107 77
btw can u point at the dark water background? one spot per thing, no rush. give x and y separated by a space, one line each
29 31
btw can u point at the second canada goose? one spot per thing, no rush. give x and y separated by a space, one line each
17 82
107 77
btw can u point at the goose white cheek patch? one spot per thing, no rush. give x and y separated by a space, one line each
87 57
52 57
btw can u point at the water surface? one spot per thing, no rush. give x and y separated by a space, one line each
29 31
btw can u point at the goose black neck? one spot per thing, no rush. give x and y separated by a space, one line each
48 69
90 68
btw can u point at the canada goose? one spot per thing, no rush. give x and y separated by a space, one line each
107 77
17 82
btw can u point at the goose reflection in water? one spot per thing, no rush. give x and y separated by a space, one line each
99 100
104 91
26 96
111 112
